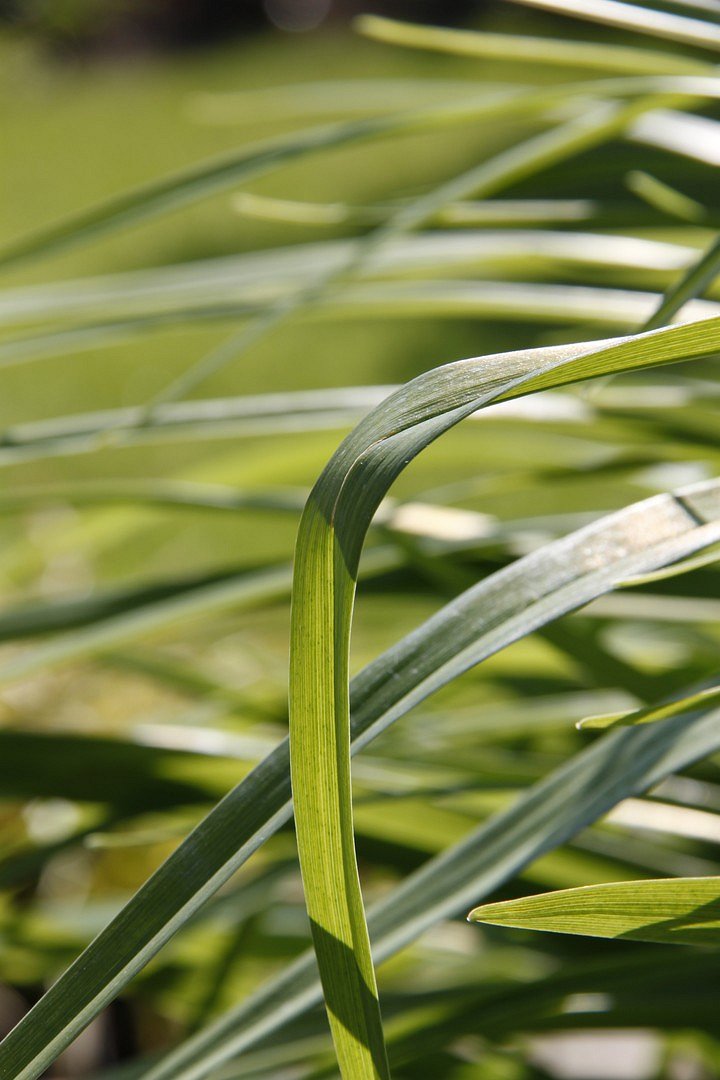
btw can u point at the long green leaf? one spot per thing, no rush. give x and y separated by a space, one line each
332 529
680 910
328 97
169 493
663 197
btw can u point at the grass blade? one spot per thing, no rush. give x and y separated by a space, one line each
332 530
211 418
665 198
535 50
550 813
692 136
167 493
685 704
676 28
679 910
692 283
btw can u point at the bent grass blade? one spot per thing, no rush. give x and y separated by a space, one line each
332 531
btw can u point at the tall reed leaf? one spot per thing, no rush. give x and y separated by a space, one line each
338 514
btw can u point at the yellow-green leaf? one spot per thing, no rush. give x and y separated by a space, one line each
679 910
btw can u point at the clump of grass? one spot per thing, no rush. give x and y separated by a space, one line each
528 529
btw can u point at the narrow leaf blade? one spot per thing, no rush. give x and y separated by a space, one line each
679 910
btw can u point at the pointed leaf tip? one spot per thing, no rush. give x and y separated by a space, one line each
677 910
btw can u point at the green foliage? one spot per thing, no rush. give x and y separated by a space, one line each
551 561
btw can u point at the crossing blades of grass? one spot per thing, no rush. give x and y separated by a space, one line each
551 812
258 278
189 185
506 606
185 187
93 625
622 991
590 128
582 132
530 302
262 414
551 147
246 282
679 910
168 493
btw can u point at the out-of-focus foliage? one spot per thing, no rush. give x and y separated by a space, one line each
180 363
